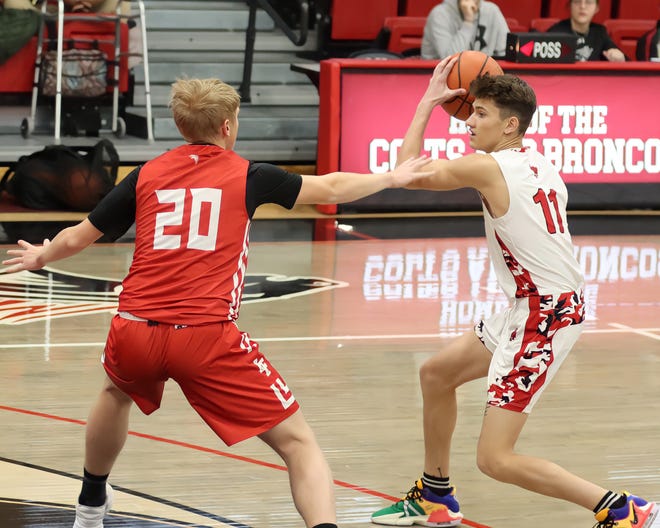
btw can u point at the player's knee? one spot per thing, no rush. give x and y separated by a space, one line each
433 375
492 464
427 375
291 437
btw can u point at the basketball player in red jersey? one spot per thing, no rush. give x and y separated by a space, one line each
520 349
192 209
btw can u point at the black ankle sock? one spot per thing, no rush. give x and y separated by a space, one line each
325 525
93 490
438 485
610 500
619 503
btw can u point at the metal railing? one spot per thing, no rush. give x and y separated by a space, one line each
298 39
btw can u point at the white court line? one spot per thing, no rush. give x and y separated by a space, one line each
646 332
619 329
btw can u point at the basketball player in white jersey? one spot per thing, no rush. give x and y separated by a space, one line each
518 350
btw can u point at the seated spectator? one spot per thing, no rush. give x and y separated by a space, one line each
460 25
594 43
648 46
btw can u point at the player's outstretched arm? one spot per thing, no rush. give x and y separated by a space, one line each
341 187
66 243
478 171
436 93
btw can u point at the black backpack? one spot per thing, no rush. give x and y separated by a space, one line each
63 178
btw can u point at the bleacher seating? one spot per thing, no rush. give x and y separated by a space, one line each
523 11
198 39
560 9
419 8
17 73
625 33
649 9
405 33
515 26
347 24
543 24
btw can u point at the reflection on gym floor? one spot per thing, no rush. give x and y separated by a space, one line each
348 324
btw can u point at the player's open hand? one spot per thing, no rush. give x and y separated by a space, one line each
410 170
437 91
26 258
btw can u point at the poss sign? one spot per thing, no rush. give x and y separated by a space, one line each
541 48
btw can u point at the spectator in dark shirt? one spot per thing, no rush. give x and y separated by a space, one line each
648 45
594 43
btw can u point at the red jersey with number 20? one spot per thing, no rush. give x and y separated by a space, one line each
530 245
191 238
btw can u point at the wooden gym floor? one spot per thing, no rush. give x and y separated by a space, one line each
348 324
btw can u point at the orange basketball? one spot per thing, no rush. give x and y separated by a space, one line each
469 66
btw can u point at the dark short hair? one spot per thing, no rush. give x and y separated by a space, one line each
511 95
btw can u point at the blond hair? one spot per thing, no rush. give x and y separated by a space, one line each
201 106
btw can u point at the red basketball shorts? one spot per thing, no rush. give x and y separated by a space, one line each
220 370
